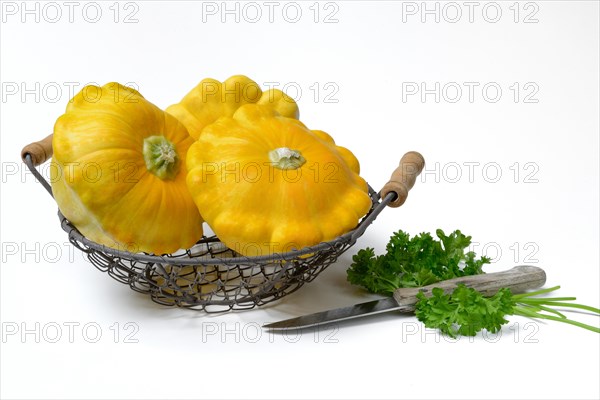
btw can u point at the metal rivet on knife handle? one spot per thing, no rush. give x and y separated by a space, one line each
39 151
518 280
403 178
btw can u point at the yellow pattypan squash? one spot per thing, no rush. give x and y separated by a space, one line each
211 99
118 172
266 184
280 102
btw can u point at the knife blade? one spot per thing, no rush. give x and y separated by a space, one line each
518 279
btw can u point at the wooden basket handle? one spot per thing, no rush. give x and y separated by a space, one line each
40 151
403 178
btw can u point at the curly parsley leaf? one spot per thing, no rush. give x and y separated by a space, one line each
466 311
415 262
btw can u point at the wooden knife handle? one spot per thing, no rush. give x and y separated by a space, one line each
518 279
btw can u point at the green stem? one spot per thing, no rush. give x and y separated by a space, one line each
525 313
545 299
285 158
536 293
161 158
539 307
571 305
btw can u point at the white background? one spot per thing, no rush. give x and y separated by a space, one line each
370 54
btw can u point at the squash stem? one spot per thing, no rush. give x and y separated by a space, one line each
285 158
161 157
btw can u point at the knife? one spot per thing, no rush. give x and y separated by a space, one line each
518 279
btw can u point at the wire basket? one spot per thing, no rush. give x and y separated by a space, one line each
213 278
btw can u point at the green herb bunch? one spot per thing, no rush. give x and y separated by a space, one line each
424 260
466 311
415 262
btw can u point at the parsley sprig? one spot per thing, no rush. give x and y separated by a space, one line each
466 311
415 262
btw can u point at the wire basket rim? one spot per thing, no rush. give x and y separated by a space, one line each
348 237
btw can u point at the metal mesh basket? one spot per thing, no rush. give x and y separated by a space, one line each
212 277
